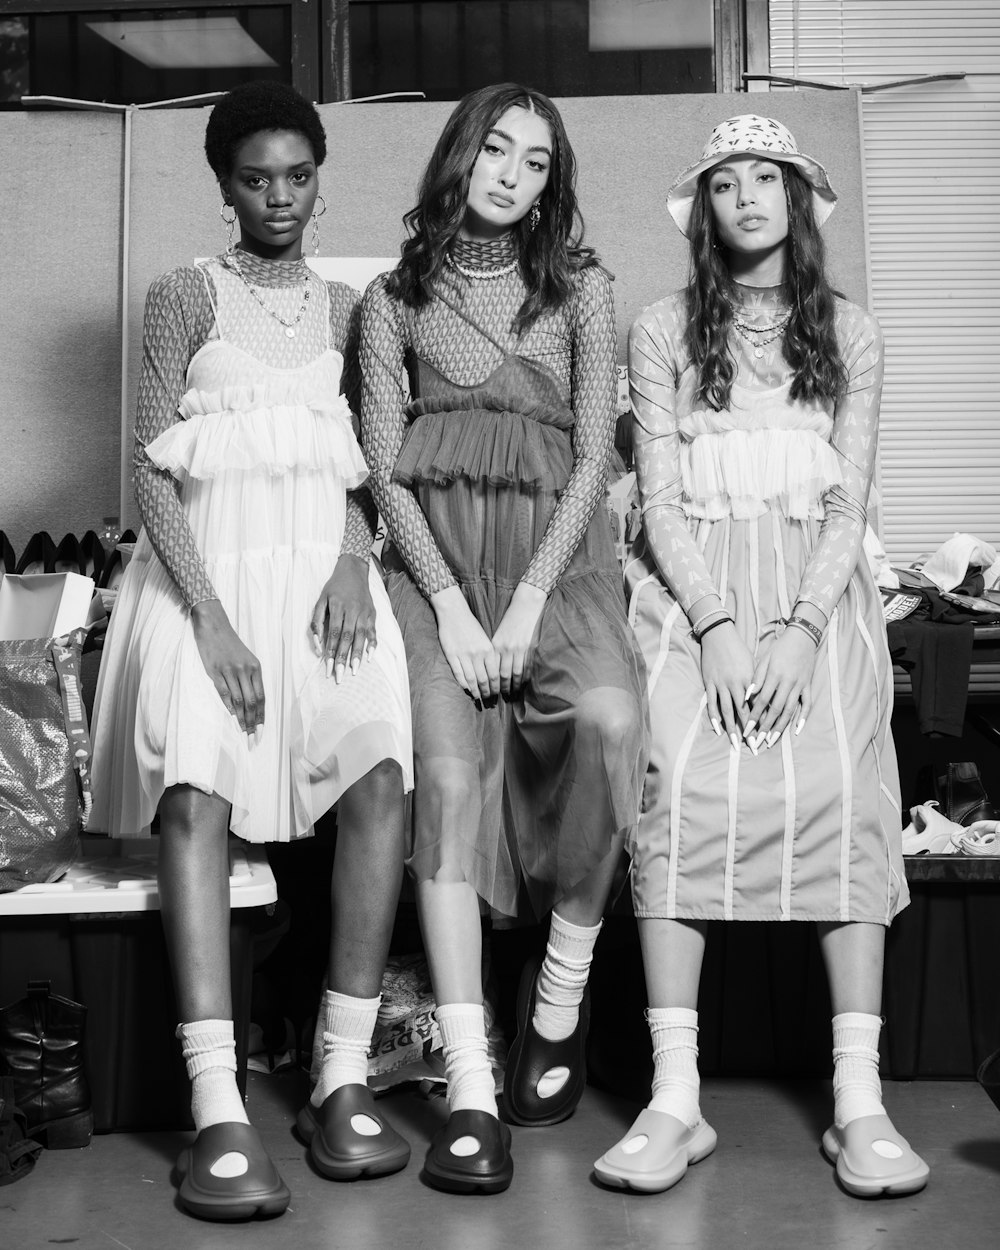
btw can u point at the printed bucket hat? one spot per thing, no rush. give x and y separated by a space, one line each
750 135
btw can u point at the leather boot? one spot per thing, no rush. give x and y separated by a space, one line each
41 1049
962 796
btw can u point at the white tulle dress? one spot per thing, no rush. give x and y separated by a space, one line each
264 456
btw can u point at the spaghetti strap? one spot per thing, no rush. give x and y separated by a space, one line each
210 289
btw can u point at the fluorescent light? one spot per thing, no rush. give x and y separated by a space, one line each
634 25
185 43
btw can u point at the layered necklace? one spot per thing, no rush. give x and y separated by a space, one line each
481 275
757 337
289 326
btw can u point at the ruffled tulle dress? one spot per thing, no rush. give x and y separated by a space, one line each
264 456
557 770
762 504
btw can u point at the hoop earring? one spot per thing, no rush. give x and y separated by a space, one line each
315 225
230 227
534 217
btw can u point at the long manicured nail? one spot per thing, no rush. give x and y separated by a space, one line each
773 737
752 744
355 664
800 726
258 733
750 689
749 729
329 666
339 671
715 725
734 739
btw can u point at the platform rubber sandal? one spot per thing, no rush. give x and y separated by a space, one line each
532 1056
487 1170
655 1153
872 1159
341 1142
258 1191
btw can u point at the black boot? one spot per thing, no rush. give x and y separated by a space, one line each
41 1048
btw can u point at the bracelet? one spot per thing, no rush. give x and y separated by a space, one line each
807 627
723 620
697 625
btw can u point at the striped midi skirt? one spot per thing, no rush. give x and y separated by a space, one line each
807 830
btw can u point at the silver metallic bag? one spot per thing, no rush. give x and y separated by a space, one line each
44 759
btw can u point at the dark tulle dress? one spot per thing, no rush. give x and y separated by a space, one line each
559 768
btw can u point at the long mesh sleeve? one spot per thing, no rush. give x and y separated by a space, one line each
383 402
177 320
594 400
345 336
855 440
653 368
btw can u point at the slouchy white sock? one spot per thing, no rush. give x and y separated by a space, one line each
466 1062
857 1090
209 1050
347 1025
676 1084
562 978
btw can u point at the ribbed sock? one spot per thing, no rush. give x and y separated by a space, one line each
346 1025
209 1050
563 977
676 1084
857 1090
466 1062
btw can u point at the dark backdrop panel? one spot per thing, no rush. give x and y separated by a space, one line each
60 202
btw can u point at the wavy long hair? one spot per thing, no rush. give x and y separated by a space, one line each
810 345
549 255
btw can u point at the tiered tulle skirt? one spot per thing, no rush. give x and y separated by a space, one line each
263 489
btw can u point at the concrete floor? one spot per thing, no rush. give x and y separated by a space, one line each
767 1186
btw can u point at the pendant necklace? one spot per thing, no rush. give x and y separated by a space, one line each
288 325
758 337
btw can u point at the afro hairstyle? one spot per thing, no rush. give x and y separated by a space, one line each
253 107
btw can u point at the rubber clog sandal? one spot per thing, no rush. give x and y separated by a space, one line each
338 1144
532 1056
872 1159
257 1191
654 1154
488 1170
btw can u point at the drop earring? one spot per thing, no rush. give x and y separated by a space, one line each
534 217
315 225
230 227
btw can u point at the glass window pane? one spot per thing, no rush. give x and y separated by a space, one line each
145 55
561 47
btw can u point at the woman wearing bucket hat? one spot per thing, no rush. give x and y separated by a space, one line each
772 792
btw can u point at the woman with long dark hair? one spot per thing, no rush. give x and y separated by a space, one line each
488 416
253 675
772 791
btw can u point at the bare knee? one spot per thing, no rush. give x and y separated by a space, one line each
447 794
607 717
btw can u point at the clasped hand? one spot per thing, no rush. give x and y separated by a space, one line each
757 700
487 667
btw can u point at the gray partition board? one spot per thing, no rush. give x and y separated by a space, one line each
61 369
60 322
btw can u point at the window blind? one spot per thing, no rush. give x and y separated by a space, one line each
932 169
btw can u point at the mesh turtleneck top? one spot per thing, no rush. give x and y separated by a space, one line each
577 344
179 319
663 384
